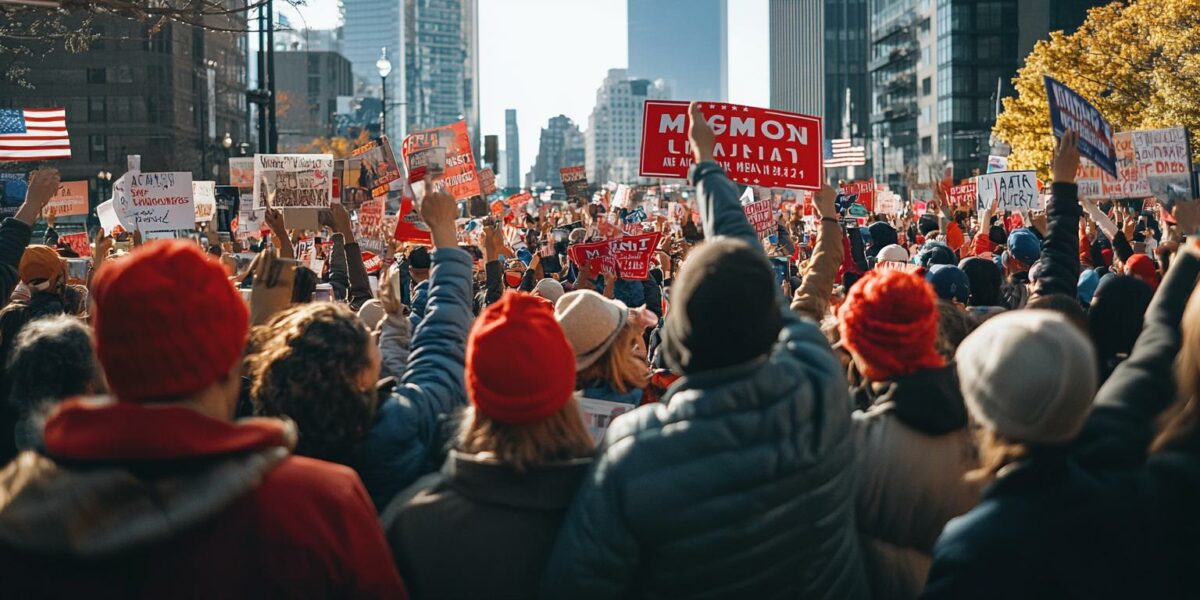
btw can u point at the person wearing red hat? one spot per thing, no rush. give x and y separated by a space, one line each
156 491
912 436
522 451
1140 266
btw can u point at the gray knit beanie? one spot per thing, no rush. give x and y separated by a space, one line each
1029 375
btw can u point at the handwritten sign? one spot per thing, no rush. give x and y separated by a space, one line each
1165 159
1016 191
458 175
376 166
756 146
1070 111
154 201
204 196
70 199
298 180
241 171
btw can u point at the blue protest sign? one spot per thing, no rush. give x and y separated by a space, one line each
1069 111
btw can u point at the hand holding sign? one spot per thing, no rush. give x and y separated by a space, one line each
438 210
825 202
1066 158
700 134
43 185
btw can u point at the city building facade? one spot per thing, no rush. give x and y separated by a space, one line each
512 150
307 91
373 28
614 132
684 43
442 65
561 145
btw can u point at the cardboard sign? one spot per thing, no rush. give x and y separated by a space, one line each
1165 159
370 219
997 163
204 195
70 199
1069 111
963 195
575 182
250 222
149 202
599 414
376 166
487 182
13 188
756 146
298 180
1009 190
1129 182
629 256
458 175
78 242
862 192
241 171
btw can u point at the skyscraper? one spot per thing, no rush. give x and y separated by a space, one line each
836 31
560 145
512 149
309 85
370 27
614 132
441 60
682 42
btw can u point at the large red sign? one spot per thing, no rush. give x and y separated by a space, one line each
629 256
963 195
755 146
865 190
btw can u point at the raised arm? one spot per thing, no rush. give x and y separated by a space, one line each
15 232
812 299
716 195
1060 248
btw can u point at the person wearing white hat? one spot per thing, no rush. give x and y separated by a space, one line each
893 253
611 361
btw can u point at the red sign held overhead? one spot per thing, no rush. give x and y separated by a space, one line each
761 215
757 146
629 257
963 195
865 190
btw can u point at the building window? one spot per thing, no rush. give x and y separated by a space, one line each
97 109
96 76
926 86
927 145
98 148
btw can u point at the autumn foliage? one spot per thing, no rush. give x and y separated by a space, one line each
1137 61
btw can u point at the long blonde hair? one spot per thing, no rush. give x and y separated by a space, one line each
995 453
561 436
617 366
1182 417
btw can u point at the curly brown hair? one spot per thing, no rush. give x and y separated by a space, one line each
303 365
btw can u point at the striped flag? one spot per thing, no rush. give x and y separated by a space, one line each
34 134
840 153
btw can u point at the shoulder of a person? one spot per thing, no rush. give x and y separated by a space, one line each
641 423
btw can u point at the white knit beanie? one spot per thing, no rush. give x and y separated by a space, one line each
549 289
1029 375
591 323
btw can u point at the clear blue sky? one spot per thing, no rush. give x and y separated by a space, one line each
548 57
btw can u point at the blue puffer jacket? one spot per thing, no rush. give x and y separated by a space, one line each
404 443
420 300
740 484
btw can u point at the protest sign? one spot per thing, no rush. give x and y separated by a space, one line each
241 171
756 146
628 256
1090 180
227 199
1008 190
297 180
1069 111
370 222
457 175
599 414
204 196
997 163
887 203
409 225
250 222
487 182
78 242
596 256
1129 182
12 193
376 165
575 183
761 215
862 192
962 195
107 213
70 199
154 201
1165 159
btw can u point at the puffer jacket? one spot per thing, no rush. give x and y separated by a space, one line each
406 442
395 340
738 485
913 447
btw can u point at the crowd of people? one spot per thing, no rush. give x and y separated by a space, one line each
939 405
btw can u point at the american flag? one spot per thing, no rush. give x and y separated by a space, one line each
34 134
840 153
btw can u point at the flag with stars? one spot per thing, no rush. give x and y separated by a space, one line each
840 153
34 134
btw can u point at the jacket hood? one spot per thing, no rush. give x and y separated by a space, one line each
545 487
929 401
116 477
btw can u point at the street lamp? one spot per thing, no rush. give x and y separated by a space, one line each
227 141
385 68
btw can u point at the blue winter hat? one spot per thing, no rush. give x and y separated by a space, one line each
949 282
1024 246
936 253
1089 280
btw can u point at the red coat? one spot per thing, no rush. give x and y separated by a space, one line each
161 501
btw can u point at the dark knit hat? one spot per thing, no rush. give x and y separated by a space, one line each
419 258
936 253
889 320
723 308
520 367
168 322
985 280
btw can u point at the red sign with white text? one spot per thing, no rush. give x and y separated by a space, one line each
629 256
757 146
962 195
761 215
458 175
865 190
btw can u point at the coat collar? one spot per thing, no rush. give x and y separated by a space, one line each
929 401
545 487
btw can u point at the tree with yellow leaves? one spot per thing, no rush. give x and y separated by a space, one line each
339 147
1138 62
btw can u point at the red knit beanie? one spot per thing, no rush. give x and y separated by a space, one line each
1141 266
520 367
889 319
168 322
